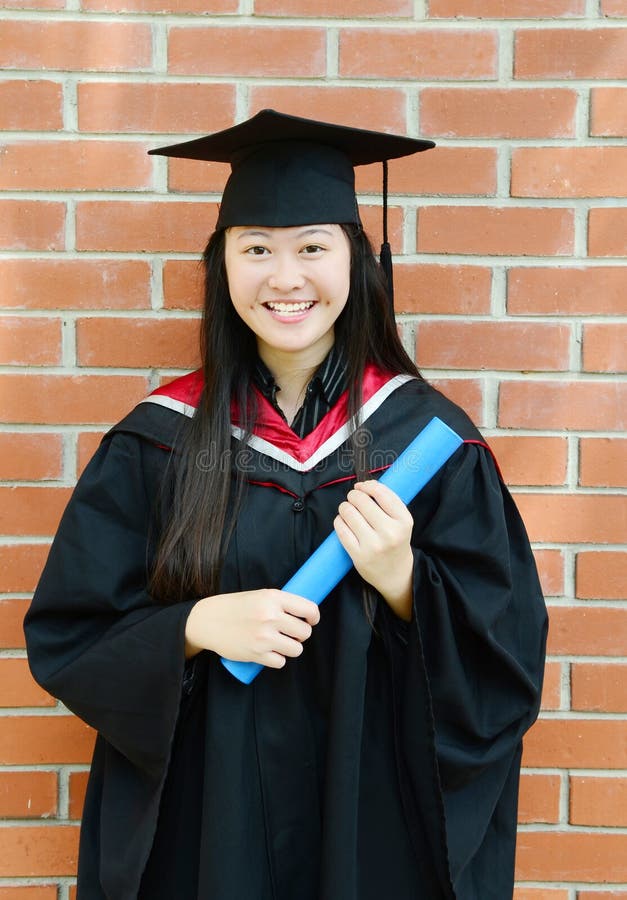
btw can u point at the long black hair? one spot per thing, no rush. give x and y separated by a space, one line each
193 541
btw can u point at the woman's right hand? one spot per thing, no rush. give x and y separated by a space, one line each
263 626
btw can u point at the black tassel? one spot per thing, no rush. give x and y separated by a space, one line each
385 257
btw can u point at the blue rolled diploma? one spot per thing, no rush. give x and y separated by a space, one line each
327 565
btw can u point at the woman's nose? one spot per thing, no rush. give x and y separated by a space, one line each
286 274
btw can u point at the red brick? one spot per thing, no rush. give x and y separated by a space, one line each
20 567
569 172
498 112
155 107
598 801
605 347
602 462
552 686
352 9
75 165
39 740
570 53
371 217
27 795
525 893
539 799
69 399
30 457
144 226
601 575
31 105
605 227
531 460
571 856
76 46
204 7
31 510
466 171
31 4
576 518
30 850
32 225
78 786
12 611
40 892
613 8
244 51
581 631
431 288
496 231
163 342
550 565
183 284
466 392
510 346
30 341
601 895
75 283
88 443
497 9
382 108
192 176
419 54
560 404
593 290
576 744
599 688
608 111
17 687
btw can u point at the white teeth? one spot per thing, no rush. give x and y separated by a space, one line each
287 309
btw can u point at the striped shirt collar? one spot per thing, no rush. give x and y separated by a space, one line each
323 391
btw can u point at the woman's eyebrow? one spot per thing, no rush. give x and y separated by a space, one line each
317 230
306 232
251 232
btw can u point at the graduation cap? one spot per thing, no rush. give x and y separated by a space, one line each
286 170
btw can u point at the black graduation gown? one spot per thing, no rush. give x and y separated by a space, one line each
382 762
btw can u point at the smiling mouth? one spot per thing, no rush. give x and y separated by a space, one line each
289 309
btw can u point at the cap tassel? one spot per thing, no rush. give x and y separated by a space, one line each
385 256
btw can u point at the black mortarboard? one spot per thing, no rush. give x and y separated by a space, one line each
287 170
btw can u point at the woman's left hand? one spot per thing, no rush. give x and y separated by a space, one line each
374 526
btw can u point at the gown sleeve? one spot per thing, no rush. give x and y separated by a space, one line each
476 648
96 638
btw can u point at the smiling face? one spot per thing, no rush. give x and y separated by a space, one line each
289 285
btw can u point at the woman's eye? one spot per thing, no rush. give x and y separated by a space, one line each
256 251
312 248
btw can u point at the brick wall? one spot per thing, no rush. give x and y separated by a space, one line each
510 286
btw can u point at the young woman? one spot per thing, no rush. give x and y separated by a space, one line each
378 752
